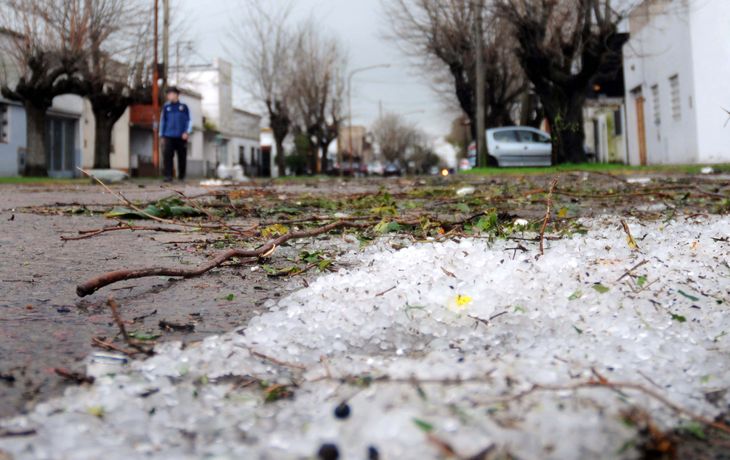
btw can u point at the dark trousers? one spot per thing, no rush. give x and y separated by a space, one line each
175 145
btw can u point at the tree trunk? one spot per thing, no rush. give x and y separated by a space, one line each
313 170
102 140
280 156
324 162
36 158
566 125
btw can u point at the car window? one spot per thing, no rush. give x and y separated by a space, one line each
505 136
526 136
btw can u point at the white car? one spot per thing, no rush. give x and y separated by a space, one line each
518 146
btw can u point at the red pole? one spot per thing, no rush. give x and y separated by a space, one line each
155 101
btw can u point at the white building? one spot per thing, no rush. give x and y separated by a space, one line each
232 135
677 75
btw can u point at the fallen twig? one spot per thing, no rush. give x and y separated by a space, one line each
76 377
170 326
83 234
136 345
629 237
631 270
100 342
382 293
546 220
276 361
98 282
601 382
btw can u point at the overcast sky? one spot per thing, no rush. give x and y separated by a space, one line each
361 26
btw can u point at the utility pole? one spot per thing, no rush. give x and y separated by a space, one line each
481 140
165 41
155 98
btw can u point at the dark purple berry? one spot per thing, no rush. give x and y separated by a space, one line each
342 411
373 453
328 452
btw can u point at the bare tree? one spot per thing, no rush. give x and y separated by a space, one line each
114 73
561 45
263 49
440 33
44 46
317 90
394 136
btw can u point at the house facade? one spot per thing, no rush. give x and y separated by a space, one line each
63 137
605 136
676 65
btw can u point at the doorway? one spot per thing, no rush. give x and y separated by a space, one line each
640 124
61 151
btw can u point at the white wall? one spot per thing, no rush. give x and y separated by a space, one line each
195 143
710 24
119 157
660 49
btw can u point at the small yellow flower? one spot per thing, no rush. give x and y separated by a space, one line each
460 302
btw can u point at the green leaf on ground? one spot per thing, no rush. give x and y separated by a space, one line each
601 289
423 425
274 231
576 295
230 297
387 227
463 207
143 335
96 411
678 318
695 429
488 222
276 392
577 329
690 297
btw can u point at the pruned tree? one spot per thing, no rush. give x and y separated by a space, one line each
44 45
440 34
115 72
394 136
317 90
263 49
561 45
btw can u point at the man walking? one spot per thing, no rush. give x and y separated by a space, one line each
176 125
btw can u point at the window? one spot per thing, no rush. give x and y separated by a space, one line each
505 136
617 122
525 136
4 125
676 101
655 104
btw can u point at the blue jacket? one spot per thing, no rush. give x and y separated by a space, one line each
175 120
